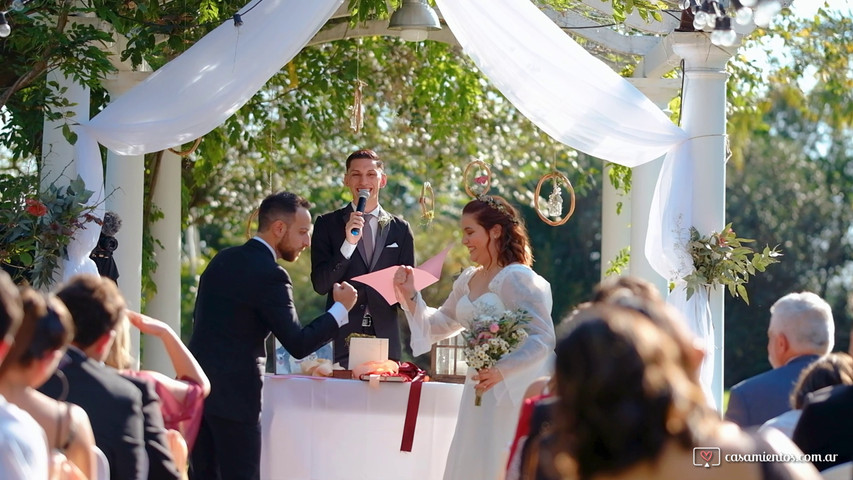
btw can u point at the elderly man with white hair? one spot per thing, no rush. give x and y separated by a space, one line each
801 330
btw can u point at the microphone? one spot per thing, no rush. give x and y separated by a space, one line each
362 201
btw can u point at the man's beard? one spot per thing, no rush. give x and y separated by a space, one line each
288 254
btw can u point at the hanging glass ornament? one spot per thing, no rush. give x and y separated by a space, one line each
555 202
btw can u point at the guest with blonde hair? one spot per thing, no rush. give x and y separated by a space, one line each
182 398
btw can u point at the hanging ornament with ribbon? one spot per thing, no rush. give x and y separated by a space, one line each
356 121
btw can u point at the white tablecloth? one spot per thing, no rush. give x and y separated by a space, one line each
330 429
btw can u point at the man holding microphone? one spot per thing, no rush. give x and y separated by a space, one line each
357 239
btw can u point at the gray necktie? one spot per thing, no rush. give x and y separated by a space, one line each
367 235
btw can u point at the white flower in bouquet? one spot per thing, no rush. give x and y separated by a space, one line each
491 336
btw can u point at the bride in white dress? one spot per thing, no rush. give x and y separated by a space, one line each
497 241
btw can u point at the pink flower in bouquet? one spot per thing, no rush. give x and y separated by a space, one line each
488 339
36 208
482 179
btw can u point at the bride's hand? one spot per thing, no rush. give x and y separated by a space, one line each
488 378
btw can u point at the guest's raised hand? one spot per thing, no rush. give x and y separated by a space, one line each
148 325
356 222
346 294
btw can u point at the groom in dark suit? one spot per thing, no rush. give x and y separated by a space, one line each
243 295
382 240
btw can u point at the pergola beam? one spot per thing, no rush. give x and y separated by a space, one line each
595 32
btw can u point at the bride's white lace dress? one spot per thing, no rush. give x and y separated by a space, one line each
483 434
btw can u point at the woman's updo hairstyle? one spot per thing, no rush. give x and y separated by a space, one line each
46 327
513 244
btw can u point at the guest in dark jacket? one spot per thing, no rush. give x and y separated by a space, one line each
801 330
826 426
125 416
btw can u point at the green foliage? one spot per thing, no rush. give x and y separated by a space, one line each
615 266
36 227
723 259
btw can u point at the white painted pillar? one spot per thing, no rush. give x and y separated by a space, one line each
644 181
124 185
166 304
59 161
703 114
615 227
58 158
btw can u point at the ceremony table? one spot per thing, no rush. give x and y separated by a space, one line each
331 429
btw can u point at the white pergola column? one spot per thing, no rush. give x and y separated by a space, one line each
124 186
703 114
615 227
58 159
166 304
643 182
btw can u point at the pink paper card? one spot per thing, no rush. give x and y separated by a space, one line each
425 275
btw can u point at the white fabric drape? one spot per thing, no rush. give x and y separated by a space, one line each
192 95
559 86
564 90
581 102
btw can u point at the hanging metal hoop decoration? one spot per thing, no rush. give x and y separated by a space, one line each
485 180
427 202
184 153
252 217
557 177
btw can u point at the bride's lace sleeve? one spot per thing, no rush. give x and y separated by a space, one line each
519 287
430 325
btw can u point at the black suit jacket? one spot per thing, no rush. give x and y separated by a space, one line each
826 425
394 245
243 295
161 466
114 406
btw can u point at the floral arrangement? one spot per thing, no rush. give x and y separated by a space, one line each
722 259
491 336
36 227
384 219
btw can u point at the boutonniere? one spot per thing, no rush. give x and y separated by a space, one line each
384 219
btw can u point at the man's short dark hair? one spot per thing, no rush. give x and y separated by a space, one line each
11 309
278 205
366 153
96 306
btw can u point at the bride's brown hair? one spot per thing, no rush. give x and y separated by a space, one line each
513 244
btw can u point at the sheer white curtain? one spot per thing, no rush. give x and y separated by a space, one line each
581 102
193 94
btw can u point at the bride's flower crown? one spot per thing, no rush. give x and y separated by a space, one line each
492 203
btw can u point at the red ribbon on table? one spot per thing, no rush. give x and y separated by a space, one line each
417 375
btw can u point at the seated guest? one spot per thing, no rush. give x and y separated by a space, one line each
23 445
125 415
801 329
826 426
40 343
629 407
181 399
833 369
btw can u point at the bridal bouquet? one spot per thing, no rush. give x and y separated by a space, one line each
491 336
